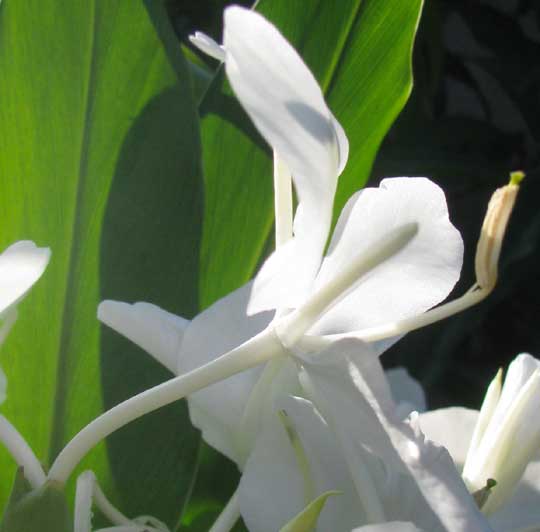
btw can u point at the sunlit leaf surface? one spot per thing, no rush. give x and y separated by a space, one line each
100 161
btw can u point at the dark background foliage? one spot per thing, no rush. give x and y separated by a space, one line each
474 116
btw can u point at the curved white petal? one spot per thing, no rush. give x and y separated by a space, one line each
415 279
522 511
271 490
21 265
519 372
406 390
328 468
452 428
153 329
415 479
218 409
287 106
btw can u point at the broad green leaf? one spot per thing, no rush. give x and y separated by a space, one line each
360 51
100 160
306 520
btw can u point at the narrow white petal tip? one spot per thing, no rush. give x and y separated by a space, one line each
21 265
155 330
207 45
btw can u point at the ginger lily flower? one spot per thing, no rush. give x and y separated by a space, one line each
287 106
498 446
394 254
21 265
348 437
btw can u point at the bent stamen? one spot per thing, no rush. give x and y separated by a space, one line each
21 453
486 265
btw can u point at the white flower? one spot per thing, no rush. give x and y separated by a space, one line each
286 104
350 438
499 443
21 265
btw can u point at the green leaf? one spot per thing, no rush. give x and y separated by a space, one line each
101 162
360 52
306 520
44 509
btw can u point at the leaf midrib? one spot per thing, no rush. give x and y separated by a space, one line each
62 370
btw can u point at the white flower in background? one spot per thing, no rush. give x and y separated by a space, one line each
21 265
350 438
285 102
501 444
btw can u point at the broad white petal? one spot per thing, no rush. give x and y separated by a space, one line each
287 106
406 390
218 409
452 428
153 329
415 279
271 489
415 479
522 511
21 265
394 526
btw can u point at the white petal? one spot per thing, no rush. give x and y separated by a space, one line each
21 265
452 428
415 279
207 45
218 409
343 144
415 479
522 511
153 329
406 390
519 371
271 489
287 106
328 467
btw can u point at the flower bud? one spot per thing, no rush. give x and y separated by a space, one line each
493 229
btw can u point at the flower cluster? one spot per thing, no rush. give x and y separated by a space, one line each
283 375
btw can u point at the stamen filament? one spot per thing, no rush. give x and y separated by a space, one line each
21 453
257 350
228 517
